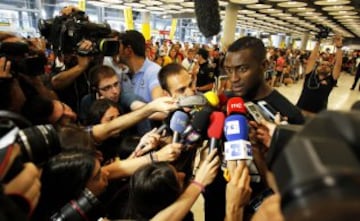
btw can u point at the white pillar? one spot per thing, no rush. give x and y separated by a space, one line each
229 24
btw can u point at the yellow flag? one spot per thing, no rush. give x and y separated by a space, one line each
82 5
146 31
173 28
129 22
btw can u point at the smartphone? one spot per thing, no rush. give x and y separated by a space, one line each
254 111
267 109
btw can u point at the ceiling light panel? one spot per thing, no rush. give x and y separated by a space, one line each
292 4
338 8
243 2
258 6
332 2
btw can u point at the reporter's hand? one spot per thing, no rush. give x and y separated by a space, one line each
208 169
169 152
5 68
148 142
238 189
269 210
26 184
84 61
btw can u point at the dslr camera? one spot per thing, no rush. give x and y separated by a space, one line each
65 32
23 60
323 32
37 143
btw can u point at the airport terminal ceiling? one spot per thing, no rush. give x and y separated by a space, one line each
282 16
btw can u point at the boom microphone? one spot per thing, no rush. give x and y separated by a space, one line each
207 17
215 129
178 124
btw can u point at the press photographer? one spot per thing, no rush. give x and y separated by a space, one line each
21 65
20 151
318 169
79 45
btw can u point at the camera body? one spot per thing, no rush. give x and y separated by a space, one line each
323 32
65 32
22 59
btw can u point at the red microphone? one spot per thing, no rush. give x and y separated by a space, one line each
235 105
215 129
222 99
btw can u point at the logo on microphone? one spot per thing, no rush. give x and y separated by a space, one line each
237 106
181 122
232 127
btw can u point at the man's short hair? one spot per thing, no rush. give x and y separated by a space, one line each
204 53
135 40
252 43
166 71
99 72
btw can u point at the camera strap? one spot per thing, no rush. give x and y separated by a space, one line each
313 83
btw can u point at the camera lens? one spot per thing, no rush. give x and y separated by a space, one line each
38 143
77 210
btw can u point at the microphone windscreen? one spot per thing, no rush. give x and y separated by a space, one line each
194 100
201 121
235 105
208 17
236 127
217 120
212 98
179 121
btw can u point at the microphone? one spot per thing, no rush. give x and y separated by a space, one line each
237 146
235 105
212 98
178 124
198 126
222 99
207 17
194 100
215 130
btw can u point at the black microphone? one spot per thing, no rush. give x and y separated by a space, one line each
207 17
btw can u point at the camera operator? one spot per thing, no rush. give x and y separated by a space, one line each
79 45
71 80
21 65
320 79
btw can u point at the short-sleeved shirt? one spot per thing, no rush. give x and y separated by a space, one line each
143 82
315 93
205 75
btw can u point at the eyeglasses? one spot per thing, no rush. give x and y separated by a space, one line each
109 87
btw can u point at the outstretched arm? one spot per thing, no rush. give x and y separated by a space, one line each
312 58
103 131
338 57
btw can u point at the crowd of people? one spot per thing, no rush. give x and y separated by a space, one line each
118 157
